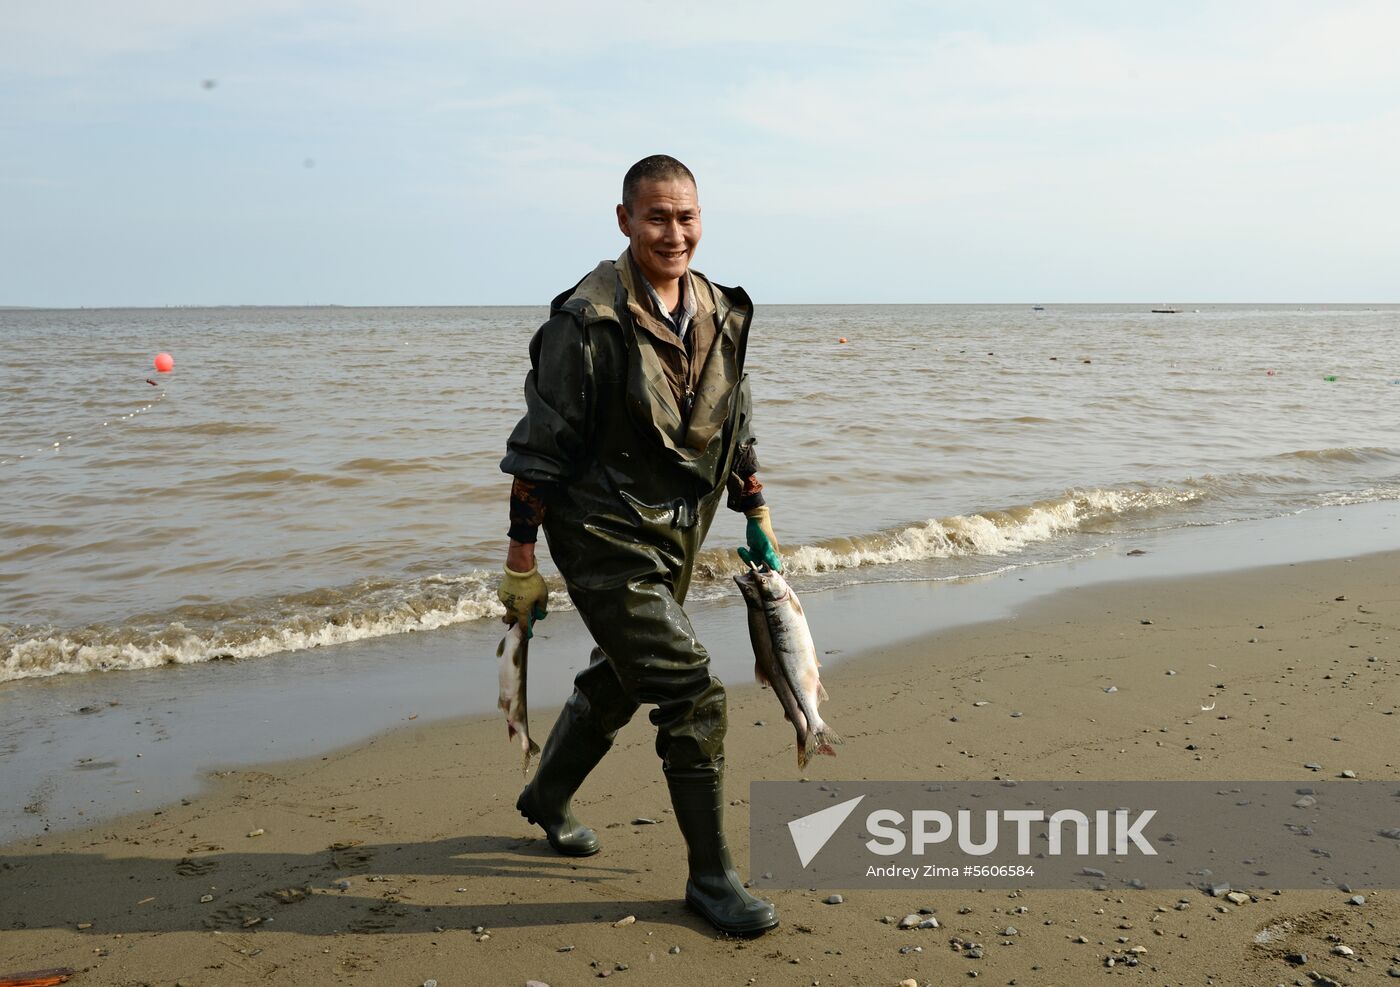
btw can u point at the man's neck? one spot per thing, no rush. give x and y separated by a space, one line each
669 292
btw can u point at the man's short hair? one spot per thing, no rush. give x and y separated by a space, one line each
656 168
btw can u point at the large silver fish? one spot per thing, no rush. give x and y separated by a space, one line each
514 652
785 658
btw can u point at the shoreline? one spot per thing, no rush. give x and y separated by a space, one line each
409 817
82 748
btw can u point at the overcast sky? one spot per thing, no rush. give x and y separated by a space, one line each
458 152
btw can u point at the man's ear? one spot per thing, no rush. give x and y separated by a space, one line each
624 222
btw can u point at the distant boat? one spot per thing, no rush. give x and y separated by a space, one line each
1037 308
1166 311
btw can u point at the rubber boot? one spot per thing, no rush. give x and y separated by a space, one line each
574 748
714 888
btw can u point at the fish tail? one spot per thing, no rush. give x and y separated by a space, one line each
828 736
821 693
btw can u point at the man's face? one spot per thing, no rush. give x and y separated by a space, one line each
663 227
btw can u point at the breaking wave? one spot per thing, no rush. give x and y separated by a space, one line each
257 627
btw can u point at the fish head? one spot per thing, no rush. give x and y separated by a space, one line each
748 585
771 584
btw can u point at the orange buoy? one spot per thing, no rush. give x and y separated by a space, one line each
164 362
842 339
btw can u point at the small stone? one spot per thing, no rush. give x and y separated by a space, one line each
1091 872
1343 951
620 967
1217 890
975 953
565 949
911 982
760 723
1171 671
1348 773
980 703
484 937
430 983
1112 688
204 899
1313 766
1296 959
909 922
478 929
1305 802
674 951
1144 622
251 921
643 821
1011 930
84 925
536 983
1254 640
626 920
1357 899
256 832
928 923
1394 971
1237 898
1081 939
834 899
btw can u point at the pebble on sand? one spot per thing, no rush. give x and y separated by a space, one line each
909 921
256 832
1357 899
834 899
625 920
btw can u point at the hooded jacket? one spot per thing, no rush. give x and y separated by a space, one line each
633 438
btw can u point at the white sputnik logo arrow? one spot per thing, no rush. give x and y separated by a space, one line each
810 833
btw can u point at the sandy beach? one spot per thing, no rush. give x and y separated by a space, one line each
402 860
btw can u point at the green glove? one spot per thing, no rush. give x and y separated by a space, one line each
763 545
525 596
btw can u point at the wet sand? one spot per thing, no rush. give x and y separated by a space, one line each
375 864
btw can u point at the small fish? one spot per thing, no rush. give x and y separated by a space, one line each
786 659
514 652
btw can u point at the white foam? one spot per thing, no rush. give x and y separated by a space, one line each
176 644
992 533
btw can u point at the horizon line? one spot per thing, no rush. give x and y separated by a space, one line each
1179 307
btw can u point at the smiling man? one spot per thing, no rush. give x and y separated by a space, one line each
636 425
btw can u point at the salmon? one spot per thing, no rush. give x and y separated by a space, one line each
785 659
514 653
